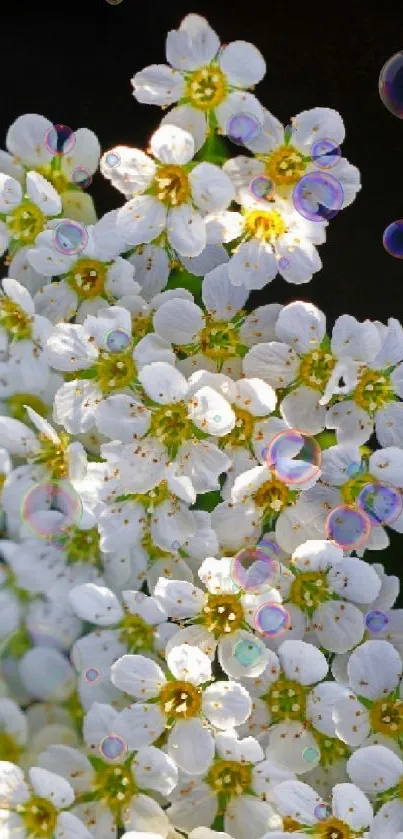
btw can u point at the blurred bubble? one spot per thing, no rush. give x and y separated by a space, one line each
376 621
391 85
393 239
247 653
59 139
381 502
51 496
92 675
242 128
113 748
349 527
322 811
114 2
217 418
70 237
175 545
325 153
354 469
112 159
281 456
311 755
118 340
82 177
139 597
255 570
261 188
272 620
283 263
318 196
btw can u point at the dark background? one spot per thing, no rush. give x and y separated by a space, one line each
73 62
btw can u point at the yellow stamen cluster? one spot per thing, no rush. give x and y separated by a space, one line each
25 223
223 614
285 166
180 700
206 87
171 184
39 817
264 225
14 320
316 368
87 278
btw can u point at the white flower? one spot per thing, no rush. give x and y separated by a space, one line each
38 806
88 280
311 368
220 620
169 194
284 156
23 336
324 589
350 812
374 704
27 149
182 704
24 212
379 772
238 784
204 78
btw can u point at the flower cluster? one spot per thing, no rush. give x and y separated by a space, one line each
193 643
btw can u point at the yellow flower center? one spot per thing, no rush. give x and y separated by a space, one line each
220 340
373 391
60 182
206 88
54 455
286 700
264 225
172 425
14 320
115 371
285 166
272 496
223 614
9 748
39 817
243 428
316 368
228 778
25 223
172 185
387 717
333 829
87 278
309 590
142 324
115 787
136 633
352 488
16 406
180 700
83 546
290 825
331 749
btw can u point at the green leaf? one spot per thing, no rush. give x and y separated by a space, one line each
180 278
326 439
208 501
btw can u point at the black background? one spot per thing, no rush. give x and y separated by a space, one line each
73 62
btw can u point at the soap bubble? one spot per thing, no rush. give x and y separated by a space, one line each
391 85
376 621
283 263
281 456
81 177
59 139
113 748
92 675
322 811
255 570
112 159
118 340
48 496
247 653
70 237
325 153
311 755
318 196
242 128
261 188
349 527
393 239
272 620
382 503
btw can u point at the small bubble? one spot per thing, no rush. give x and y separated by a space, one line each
242 128
247 652
175 545
311 755
349 527
322 811
113 748
272 620
255 570
81 177
217 418
353 469
118 340
70 237
283 263
92 675
112 159
294 456
262 188
381 502
59 139
325 153
391 85
318 196
376 621
393 239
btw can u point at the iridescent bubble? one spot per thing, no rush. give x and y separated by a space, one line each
113 748
92 675
70 237
112 159
349 527
294 456
254 570
393 239
118 340
261 188
322 811
272 620
391 85
376 621
59 497
247 652
311 755
217 418
283 263
325 153
242 128
381 502
353 469
175 545
318 196
59 139
81 177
